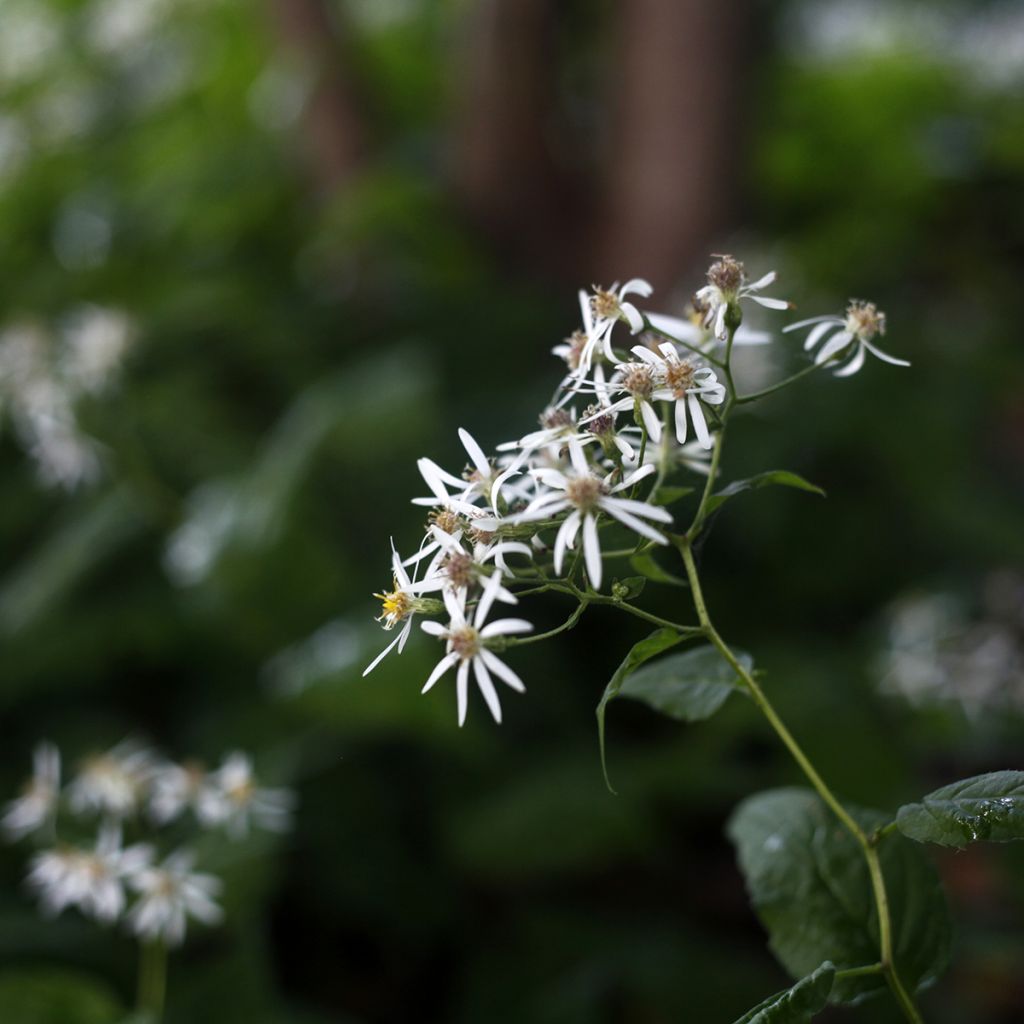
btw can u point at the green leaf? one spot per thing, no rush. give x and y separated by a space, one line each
689 686
660 640
810 885
645 563
670 495
795 1005
986 807
773 477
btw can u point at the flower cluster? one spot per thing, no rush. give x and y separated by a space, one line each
129 789
43 374
534 515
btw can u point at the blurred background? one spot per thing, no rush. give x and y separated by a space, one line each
258 257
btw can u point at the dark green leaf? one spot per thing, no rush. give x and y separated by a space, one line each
689 686
660 640
670 495
773 477
985 807
645 563
810 885
795 1005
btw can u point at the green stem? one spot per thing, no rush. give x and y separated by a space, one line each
755 395
860 972
518 641
685 344
865 842
152 980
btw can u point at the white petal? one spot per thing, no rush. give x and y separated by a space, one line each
700 426
500 627
681 421
592 550
635 524
770 303
579 459
439 670
651 421
674 327
432 628
483 680
633 317
564 538
833 347
853 365
487 598
812 320
643 508
380 657
817 333
475 452
462 691
884 356
502 671
636 286
762 282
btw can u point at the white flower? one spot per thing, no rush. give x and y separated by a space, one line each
601 312
850 339
92 880
113 783
588 495
38 803
168 895
727 284
173 789
95 340
402 602
467 647
686 384
232 798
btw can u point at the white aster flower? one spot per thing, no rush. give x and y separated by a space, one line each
38 803
727 284
173 789
845 340
168 895
467 647
601 312
587 496
232 798
113 783
403 601
92 880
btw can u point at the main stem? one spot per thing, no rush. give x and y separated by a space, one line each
867 845
152 980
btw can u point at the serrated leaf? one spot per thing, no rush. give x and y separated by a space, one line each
983 808
810 885
773 477
689 686
660 640
645 563
795 1005
670 495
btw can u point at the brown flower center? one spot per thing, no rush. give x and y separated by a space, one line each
679 376
864 319
465 642
584 492
726 274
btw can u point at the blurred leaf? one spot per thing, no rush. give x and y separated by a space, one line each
645 563
770 478
986 807
50 995
660 640
811 888
795 1005
670 495
689 686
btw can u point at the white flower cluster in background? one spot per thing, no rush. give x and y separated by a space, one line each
85 861
44 373
944 649
532 514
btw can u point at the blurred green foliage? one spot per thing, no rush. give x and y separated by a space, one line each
292 361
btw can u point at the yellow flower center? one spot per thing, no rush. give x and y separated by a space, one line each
396 606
